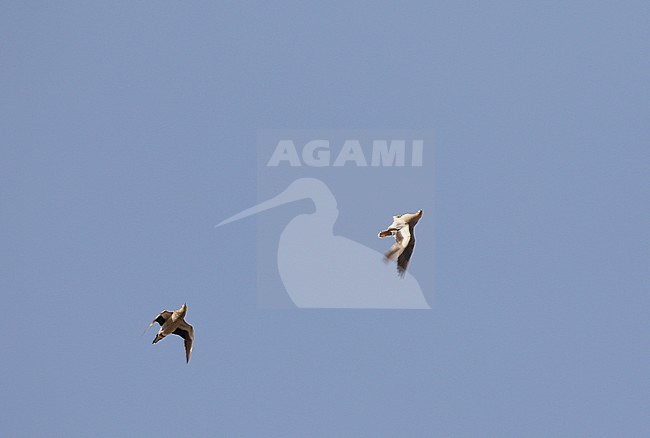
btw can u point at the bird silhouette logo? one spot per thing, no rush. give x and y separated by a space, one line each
322 270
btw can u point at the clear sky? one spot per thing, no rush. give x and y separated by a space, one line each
128 130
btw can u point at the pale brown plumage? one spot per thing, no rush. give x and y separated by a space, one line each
173 323
402 230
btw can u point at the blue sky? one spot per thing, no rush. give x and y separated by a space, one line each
128 130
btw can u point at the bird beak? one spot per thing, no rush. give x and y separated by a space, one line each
281 199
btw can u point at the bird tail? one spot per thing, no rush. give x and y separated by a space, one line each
158 338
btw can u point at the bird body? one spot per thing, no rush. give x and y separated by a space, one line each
174 323
402 230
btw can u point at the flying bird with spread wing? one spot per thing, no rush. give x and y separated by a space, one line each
173 323
402 230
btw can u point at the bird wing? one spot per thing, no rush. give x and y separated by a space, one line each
394 249
160 319
186 331
407 242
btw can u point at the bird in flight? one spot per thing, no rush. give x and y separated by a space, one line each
173 323
402 230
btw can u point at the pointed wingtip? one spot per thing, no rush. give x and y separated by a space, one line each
148 327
